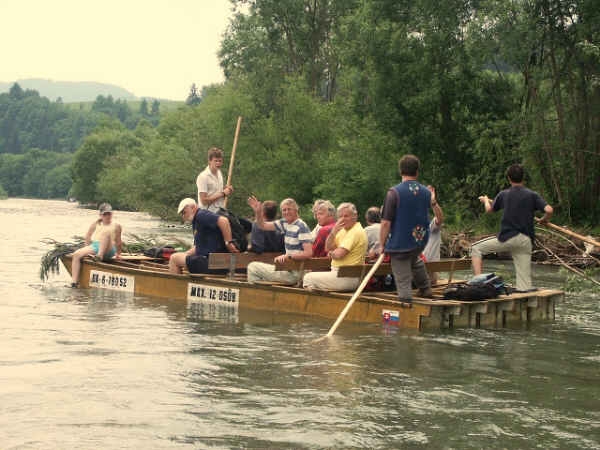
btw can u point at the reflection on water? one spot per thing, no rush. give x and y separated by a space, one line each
102 369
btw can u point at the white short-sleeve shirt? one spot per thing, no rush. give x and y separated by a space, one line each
209 183
433 247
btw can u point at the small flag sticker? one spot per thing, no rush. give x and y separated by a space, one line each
390 317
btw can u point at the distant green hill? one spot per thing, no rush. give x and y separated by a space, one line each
70 91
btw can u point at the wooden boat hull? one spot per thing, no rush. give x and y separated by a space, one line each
209 293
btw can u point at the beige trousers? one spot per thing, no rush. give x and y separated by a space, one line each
329 281
258 271
519 248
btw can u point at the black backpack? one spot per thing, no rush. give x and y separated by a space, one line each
159 252
240 228
480 287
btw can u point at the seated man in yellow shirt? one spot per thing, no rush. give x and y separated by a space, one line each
347 246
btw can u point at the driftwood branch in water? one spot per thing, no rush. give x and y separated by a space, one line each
582 251
568 232
579 272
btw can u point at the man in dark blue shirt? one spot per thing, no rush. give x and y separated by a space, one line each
516 228
212 234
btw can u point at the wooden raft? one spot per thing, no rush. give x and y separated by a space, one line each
371 307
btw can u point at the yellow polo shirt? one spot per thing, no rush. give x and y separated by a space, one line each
355 241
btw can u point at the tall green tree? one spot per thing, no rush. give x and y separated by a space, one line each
286 37
555 46
193 98
155 109
144 108
89 159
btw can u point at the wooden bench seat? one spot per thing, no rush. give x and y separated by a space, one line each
234 261
444 265
305 265
313 264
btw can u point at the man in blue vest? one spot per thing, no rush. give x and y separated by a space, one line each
405 229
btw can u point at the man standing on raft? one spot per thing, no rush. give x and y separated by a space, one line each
516 228
211 193
405 230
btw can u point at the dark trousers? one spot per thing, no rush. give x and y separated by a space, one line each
199 264
408 267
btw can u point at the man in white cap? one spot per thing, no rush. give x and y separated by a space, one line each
212 234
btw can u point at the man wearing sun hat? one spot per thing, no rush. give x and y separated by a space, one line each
212 234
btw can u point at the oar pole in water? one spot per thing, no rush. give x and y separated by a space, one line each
361 288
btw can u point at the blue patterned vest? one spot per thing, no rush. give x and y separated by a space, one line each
410 228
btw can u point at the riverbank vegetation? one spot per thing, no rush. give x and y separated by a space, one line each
333 92
38 137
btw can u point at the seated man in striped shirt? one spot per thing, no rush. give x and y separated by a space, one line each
297 240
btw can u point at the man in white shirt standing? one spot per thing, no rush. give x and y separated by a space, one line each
211 193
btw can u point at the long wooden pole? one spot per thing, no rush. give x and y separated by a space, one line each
361 288
571 233
232 160
564 238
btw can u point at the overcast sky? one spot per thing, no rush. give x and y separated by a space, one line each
154 48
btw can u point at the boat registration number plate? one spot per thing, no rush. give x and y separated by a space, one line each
107 280
212 294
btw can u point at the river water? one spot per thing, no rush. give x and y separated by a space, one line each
101 369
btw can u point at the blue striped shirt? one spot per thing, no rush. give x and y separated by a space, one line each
296 235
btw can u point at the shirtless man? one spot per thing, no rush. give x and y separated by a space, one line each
103 240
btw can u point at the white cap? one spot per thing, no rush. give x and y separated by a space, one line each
104 208
183 203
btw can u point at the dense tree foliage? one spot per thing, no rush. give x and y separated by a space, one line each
120 110
554 46
36 173
333 92
29 121
38 138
